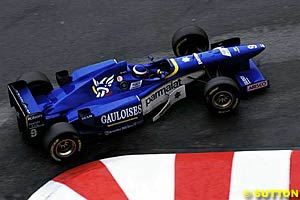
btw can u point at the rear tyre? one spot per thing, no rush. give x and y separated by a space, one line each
221 95
37 82
62 142
188 40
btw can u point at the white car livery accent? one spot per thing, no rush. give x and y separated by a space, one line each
186 59
102 88
245 80
161 94
224 51
236 49
121 115
252 46
198 59
136 85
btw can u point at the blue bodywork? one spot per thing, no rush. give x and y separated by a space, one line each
107 97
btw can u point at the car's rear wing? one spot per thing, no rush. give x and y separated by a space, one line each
15 98
31 119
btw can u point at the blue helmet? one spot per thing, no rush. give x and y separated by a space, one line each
140 70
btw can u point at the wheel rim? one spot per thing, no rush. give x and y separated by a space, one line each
222 100
65 148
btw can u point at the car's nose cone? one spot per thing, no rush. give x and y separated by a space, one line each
250 50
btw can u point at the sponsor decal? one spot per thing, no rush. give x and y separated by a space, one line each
252 46
161 95
102 88
136 84
186 59
162 92
177 95
121 116
23 103
34 123
87 117
257 86
245 80
224 51
107 132
236 49
196 56
34 117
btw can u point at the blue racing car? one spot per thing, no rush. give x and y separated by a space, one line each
112 95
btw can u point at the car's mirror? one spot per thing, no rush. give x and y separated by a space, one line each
150 57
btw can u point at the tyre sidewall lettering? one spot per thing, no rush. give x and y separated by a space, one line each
79 145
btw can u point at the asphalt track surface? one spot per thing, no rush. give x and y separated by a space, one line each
54 35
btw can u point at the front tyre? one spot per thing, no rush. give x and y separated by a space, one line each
61 142
221 95
188 40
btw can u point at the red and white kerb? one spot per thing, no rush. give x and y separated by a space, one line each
209 176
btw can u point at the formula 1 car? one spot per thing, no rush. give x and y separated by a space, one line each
111 96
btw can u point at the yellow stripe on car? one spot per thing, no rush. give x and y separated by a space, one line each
176 68
94 90
121 122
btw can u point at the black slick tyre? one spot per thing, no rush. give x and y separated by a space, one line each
37 82
62 142
188 40
221 95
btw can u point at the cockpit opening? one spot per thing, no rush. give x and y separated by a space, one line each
158 69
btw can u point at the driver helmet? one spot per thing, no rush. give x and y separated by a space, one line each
140 70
